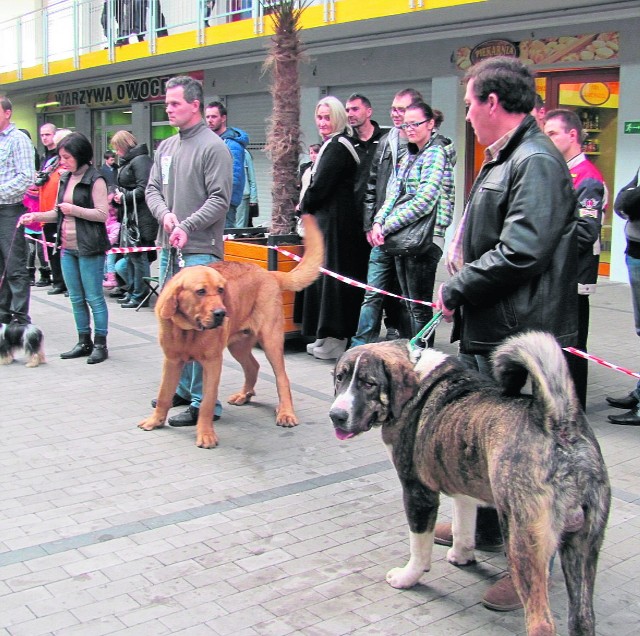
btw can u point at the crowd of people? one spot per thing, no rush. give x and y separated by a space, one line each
524 254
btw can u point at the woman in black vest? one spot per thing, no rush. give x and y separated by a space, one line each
81 213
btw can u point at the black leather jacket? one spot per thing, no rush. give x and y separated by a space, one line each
520 248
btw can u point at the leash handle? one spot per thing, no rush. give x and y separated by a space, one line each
425 333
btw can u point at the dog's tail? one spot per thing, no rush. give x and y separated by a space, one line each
539 356
308 269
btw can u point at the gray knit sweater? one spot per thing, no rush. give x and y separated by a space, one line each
192 176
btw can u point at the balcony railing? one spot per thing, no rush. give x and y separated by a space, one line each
68 29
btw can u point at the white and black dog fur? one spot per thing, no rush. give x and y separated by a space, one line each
533 457
24 338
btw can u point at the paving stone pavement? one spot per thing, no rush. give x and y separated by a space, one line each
108 529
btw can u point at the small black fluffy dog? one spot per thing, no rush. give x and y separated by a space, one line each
28 338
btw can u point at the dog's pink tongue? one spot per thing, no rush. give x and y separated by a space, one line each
340 434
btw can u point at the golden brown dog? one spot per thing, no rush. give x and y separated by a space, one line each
204 309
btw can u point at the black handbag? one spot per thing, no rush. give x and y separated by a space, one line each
129 229
414 239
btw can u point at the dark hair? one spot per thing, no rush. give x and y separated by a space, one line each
6 104
314 147
79 147
506 77
191 88
538 102
438 116
569 119
362 98
109 154
25 131
220 106
424 108
416 96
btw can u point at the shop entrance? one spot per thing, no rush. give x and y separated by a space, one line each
105 124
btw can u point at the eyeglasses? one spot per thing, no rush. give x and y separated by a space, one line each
395 110
413 125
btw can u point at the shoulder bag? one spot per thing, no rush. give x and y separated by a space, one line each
130 230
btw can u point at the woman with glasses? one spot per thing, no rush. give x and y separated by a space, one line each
424 185
328 310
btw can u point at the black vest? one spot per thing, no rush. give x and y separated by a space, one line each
91 235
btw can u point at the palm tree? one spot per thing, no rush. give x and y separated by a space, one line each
283 135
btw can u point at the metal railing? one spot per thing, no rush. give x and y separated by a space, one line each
67 29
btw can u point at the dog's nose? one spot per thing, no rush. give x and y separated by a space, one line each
218 317
338 416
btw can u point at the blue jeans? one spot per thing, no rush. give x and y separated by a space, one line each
231 216
110 264
137 268
83 278
122 270
190 385
633 266
381 273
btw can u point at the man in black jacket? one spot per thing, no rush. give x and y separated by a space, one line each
513 260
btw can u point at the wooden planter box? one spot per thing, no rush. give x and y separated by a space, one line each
255 250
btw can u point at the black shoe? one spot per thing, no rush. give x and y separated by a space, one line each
99 354
630 418
43 282
629 401
55 290
117 293
134 304
188 417
80 350
177 400
125 299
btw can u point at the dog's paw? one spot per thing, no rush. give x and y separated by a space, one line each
403 578
150 423
286 418
206 440
461 557
6 360
240 398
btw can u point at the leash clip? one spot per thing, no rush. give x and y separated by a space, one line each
180 258
424 334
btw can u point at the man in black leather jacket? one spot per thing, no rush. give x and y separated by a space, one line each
517 267
514 256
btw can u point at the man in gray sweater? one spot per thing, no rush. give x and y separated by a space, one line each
188 193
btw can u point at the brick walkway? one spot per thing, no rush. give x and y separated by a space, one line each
106 529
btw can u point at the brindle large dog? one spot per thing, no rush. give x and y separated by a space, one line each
533 457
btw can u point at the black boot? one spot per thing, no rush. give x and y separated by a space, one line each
45 277
32 275
83 348
100 352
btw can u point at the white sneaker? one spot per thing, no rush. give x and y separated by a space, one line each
331 349
314 344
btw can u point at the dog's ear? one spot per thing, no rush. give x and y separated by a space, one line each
167 304
403 381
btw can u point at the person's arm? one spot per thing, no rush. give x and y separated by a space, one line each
21 157
371 193
530 234
237 152
590 193
627 203
141 169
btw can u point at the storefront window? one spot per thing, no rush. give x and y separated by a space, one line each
61 120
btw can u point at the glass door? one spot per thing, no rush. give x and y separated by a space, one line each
106 123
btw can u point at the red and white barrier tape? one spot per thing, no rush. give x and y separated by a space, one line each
351 281
113 250
355 283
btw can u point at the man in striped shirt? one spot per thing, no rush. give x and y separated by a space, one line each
17 172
